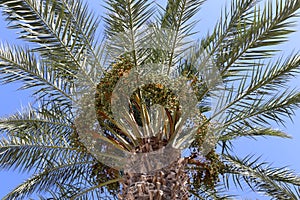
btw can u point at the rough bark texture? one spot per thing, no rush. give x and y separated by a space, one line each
167 183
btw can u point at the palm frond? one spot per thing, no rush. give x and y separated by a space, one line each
32 121
50 24
278 183
123 26
259 100
251 132
33 152
87 193
20 64
219 193
35 136
263 28
39 142
213 44
126 15
176 18
71 191
269 26
65 173
86 23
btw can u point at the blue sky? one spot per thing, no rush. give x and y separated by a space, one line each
281 152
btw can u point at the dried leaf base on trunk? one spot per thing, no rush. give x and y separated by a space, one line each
167 183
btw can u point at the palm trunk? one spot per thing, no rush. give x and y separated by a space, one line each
167 183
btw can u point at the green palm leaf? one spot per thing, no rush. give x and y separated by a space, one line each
19 64
123 27
278 183
46 179
54 25
176 18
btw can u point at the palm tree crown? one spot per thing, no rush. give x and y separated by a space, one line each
194 94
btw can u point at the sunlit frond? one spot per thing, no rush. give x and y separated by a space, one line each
20 64
64 30
235 132
124 26
177 19
278 183
260 100
61 172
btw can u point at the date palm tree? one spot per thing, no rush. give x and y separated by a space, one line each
66 60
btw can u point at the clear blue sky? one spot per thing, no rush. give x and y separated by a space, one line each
281 152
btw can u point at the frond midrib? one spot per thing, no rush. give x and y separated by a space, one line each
83 35
254 173
57 38
175 38
43 80
39 146
18 121
250 89
43 173
251 44
95 187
